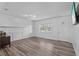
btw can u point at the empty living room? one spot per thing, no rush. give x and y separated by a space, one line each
39 28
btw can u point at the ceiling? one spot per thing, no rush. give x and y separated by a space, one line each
35 10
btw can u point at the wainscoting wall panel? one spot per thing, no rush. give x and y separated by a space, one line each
16 33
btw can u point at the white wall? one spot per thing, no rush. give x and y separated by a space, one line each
17 28
60 28
75 36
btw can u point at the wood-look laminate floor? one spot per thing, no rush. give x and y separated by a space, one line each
35 46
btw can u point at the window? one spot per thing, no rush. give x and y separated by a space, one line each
45 28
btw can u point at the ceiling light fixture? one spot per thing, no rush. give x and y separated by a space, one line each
32 16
